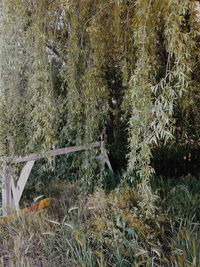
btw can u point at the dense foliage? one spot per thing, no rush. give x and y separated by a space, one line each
71 69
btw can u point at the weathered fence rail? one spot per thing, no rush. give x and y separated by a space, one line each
12 193
56 152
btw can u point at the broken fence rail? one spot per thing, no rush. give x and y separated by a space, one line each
56 152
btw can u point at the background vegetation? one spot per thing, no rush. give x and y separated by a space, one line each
128 70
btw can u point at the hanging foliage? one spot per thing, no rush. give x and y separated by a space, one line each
12 83
40 91
73 70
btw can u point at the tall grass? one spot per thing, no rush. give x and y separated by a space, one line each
103 229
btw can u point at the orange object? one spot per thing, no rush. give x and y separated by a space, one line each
37 206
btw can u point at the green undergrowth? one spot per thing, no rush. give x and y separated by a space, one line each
108 229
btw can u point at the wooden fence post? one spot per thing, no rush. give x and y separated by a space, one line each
6 190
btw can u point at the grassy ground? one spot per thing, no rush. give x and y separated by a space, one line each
104 229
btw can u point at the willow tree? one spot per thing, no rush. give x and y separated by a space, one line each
81 69
158 79
27 104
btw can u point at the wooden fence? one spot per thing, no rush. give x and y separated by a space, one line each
12 192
